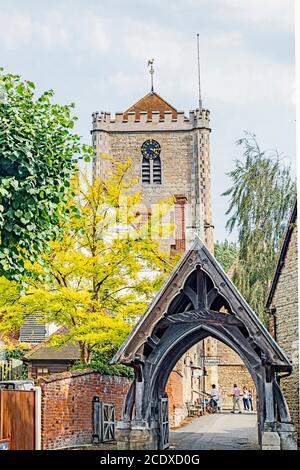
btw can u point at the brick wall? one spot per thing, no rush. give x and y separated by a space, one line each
177 407
285 301
67 405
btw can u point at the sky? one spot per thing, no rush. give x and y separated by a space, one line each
95 53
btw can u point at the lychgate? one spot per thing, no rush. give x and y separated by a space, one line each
199 300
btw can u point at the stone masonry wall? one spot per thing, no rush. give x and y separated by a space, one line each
67 405
230 370
285 301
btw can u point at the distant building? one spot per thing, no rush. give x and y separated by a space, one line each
282 303
44 359
33 331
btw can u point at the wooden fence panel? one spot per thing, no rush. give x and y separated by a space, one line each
17 418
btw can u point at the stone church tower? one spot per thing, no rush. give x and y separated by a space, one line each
170 153
171 157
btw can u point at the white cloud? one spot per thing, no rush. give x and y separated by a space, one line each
15 29
272 13
96 37
55 30
230 72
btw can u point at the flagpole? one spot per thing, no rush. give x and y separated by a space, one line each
199 74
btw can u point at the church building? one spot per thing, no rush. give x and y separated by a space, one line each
170 153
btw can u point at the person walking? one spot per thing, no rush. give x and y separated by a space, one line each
236 393
246 399
214 393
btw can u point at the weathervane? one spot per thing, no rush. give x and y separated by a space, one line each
151 71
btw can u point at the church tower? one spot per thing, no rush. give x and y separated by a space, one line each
170 152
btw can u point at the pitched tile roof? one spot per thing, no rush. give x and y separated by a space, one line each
149 103
43 351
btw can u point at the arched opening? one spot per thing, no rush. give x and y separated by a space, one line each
193 421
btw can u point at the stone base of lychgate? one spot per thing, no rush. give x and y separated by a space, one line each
288 436
284 438
134 435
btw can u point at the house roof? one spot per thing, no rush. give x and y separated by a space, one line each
135 340
151 103
282 254
69 351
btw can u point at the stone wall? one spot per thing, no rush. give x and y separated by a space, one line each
183 386
67 405
285 301
230 370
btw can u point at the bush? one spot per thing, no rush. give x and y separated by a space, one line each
101 363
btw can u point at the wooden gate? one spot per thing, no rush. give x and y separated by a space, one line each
103 421
17 418
164 422
108 422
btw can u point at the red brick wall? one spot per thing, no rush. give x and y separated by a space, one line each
174 389
67 405
180 228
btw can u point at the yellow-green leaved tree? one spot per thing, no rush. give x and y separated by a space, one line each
102 274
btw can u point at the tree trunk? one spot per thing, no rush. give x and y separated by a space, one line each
82 352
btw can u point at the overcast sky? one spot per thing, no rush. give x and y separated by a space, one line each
95 53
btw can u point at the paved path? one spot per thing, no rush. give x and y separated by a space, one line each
221 431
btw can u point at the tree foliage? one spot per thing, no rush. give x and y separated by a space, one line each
38 158
100 276
226 254
100 362
261 197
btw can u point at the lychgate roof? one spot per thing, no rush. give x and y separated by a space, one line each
222 292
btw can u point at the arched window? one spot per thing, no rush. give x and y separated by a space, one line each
151 162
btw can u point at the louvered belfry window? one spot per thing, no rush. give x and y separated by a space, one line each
156 171
151 162
146 171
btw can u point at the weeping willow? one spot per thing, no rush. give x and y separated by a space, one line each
261 197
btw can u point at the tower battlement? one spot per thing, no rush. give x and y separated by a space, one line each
155 120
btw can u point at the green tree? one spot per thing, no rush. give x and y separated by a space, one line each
100 277
38 159
261 197
226 254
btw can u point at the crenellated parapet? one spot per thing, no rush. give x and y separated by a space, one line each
154 121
